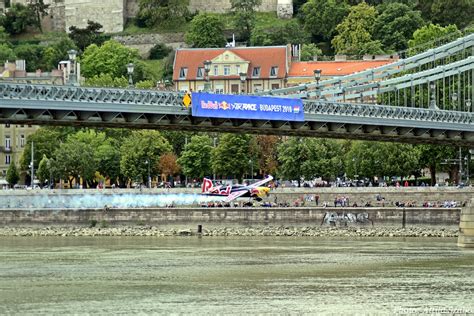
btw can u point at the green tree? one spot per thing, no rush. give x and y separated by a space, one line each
195 159
206 31
107 81
308 51
91 34
395 25
159 51
4 36
6 53
244 15
231 157
290 157
12 174
43 171
33 55
39 10
431 157
110 58
459 12
287 33
140 147
424 37
354 33
267 153
163 12
320 17
17 18
56 52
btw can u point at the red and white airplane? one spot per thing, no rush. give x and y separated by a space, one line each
255 190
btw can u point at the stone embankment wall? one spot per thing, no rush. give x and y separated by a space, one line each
144 42
466 227
397 217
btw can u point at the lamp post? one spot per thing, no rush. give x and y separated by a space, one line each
130 69
147 162
454 97
207 69
433 105
72 72
50 174
243 78
317 77
468 105
251 169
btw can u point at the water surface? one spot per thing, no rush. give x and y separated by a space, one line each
129 275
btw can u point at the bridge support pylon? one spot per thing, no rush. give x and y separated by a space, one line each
466 226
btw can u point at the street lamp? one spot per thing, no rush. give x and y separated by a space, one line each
433 105
147 162
317 77
130 69
454 97
468 105
72 73
243 78
251 168
207 69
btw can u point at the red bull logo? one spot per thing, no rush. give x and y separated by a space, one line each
224 105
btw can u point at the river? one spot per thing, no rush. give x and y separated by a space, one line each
257 275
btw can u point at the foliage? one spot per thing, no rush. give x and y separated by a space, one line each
231 156
106 80
287 33
308 51
12 174
195 159
17 19
56 52
459 12
159 51
320 17
427 34
354 33
4 36
431 157
110 58
145 84
395 25
267 153
168 164
163 12
89 35
244 15
43 171
139 147
206 31
32 54
6 53
39 11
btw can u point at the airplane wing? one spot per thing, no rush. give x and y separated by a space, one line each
261 182
235 195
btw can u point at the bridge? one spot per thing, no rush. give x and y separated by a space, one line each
425 98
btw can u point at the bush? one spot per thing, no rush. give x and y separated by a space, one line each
92 223
159 51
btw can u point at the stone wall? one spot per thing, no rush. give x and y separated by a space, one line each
466 227
144 42
229 216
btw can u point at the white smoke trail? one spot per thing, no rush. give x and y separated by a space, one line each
128 200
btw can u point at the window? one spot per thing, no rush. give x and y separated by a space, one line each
256 72
219 88
275 86
7 125
274 71
22 140
216 70
257 87
7 159
7 142
200 73
237 69
183 73
226 70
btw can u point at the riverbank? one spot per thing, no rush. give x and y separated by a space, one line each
288 231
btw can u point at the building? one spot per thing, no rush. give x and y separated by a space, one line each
13 137
231 70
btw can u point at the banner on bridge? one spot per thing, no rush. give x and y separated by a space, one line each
247 107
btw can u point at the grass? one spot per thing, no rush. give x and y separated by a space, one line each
154 68
132 29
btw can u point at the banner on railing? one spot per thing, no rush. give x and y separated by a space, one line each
247 107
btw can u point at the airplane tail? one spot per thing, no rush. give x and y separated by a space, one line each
206 185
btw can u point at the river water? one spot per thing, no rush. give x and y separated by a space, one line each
258 275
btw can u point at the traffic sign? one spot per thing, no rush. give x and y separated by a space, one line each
187 100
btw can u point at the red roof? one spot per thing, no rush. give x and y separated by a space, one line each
334 68
263 57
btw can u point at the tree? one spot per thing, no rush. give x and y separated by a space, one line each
89 35
267 153
431 157
168 165
206 31
320 17
231 157
110 58
423 38
290 157
354 33
56 52
163 12
33 54
195 159
17 19
4 36
309 51
43 173
140 147
6 53
39 10
159 51
395 25
459 12
287 33
12 174
107 81
244 15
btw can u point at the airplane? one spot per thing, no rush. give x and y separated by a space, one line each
255 190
